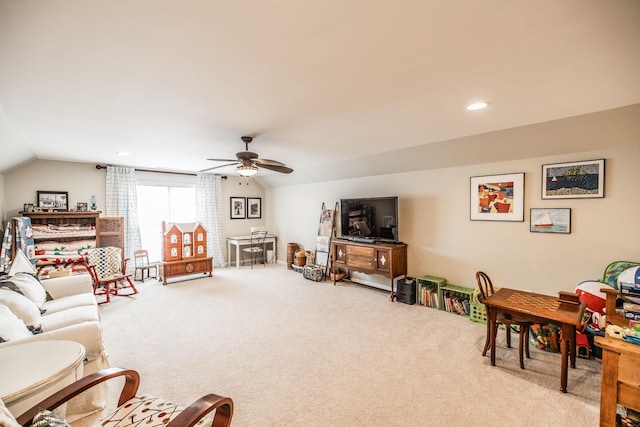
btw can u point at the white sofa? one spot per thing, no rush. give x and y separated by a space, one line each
69 312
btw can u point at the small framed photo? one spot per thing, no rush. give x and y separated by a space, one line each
497 197
28 207
53 200
82 206
254 207
238 208
574 180
550 220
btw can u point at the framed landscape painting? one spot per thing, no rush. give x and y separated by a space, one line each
574 180
550 220
497 197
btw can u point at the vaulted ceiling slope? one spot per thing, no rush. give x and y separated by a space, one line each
317 83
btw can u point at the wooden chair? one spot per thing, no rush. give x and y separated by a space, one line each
142 264
139 410
486 289
108 272
255 250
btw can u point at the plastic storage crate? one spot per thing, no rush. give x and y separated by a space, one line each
478 312
432 284
456 299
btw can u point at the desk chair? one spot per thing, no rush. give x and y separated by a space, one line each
142 264
486 289
108 271
256 249
134 409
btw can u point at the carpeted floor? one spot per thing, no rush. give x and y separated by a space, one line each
291 352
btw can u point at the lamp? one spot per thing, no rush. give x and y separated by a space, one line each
247 170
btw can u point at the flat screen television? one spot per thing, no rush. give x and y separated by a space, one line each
373 219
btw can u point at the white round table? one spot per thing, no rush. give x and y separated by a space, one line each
33 371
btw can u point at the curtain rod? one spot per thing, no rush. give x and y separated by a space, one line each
158 171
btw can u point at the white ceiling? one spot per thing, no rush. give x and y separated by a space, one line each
316 82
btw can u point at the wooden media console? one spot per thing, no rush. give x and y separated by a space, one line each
386 259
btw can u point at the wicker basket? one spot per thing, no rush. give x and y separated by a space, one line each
300 258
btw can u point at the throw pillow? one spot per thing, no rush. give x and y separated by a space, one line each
27 285
46 418
21 264
11 328
24 308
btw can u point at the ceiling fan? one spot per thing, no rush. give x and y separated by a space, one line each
249 162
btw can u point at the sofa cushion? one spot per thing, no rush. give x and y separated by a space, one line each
71 301
24 308
11 327
26 284
71 316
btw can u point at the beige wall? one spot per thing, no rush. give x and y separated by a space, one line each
82 180
442 241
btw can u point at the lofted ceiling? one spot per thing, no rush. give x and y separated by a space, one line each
317 83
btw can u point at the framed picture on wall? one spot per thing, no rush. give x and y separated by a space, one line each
254 207
238 208
550 220
53 200
497 197
574 180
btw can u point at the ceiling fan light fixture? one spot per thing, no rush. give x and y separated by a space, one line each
247 170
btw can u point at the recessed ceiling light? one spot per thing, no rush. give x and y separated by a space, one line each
477 105
123 153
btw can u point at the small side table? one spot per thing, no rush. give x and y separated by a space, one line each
35 370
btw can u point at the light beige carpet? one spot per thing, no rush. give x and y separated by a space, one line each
291 352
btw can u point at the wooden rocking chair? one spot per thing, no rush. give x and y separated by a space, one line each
108 272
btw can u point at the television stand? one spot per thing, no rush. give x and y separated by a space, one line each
386 259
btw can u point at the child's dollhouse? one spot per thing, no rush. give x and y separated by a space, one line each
183 241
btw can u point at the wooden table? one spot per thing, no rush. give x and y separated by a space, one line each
620 377
537 308
35 370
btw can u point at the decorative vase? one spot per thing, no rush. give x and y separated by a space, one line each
93 203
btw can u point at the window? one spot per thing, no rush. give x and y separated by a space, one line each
157 203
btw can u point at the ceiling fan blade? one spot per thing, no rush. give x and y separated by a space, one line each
219 166
223 160
268 162
276 168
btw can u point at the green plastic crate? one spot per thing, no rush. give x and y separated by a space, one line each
478 313
460 293
430 282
